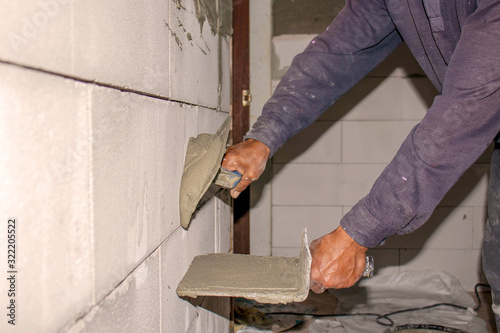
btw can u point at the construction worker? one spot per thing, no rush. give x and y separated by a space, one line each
457 43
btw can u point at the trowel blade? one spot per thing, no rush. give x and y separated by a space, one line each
261 278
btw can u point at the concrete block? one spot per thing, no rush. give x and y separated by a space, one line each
463 264
386 261
172 145
290 221
213 316
34 30
448 228
134 306
209 120
130 50
200 72
322 184
400 63
480 216
417 94
373 141
285 251
261 212
125 183
45 177
223 224
176 255
260 54
284 49
318 143
346 209
370 99
471 188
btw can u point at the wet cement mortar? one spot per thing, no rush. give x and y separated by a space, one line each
261 278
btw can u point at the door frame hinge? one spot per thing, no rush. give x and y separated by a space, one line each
246 97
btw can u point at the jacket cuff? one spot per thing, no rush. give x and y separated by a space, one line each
269 134
365 229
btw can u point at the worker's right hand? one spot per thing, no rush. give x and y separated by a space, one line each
248 158
337 261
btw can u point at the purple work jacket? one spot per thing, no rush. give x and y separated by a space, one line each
461 56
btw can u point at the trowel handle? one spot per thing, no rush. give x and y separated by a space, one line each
370 267
227 179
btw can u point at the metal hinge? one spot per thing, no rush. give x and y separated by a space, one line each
246 97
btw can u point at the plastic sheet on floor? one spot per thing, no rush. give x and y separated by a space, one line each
410 289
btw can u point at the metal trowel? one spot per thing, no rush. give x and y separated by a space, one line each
203 176
262 278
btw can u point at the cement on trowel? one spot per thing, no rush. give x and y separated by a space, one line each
261 278
203 159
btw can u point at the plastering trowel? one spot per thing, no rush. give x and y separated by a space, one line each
262 278
203 175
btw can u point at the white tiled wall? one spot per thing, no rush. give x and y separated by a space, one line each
97 103
324 170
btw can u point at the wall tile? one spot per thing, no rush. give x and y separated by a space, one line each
480 217
45 175
318 143
370 99
322 184
400 63
386 261
290 221
285 251
373 141
471 189
448 228
463 264
134 306
284 49
417 96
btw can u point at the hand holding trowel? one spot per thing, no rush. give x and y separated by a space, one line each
262 278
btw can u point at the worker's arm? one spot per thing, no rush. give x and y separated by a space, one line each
359 38
456 130
458 127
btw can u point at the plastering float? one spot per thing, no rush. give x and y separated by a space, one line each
261 278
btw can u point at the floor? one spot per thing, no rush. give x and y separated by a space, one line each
326 303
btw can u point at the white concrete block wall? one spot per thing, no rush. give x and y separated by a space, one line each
97 103
324 170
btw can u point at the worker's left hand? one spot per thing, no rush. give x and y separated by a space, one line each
337 261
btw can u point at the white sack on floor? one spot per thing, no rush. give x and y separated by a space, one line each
410 289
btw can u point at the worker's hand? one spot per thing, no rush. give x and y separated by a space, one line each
337 261
248 158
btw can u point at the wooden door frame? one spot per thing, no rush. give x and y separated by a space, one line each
241 115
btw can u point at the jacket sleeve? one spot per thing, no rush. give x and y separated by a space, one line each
456 130
357 40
